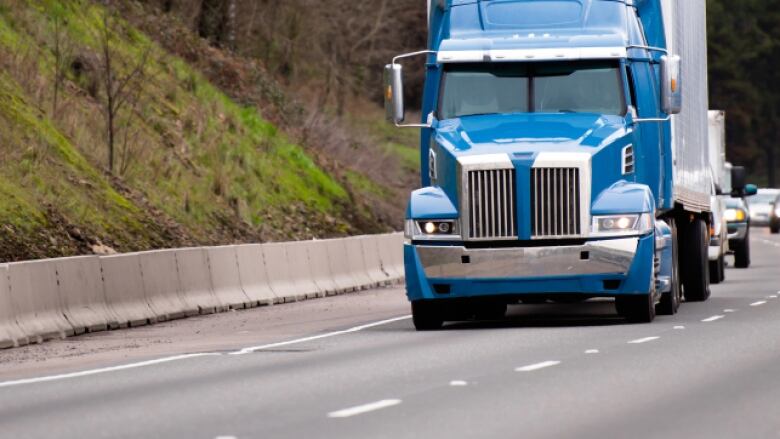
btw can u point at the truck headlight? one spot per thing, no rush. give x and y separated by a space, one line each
621 225
447 229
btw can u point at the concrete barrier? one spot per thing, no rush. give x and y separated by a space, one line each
195 280
280 274
339 266
254 277
320 268
300 269
35 300
223 265
124 288
81 290
161 285
373 261
357 262
391 252
11 334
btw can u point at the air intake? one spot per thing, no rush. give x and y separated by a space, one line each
491 204
628 160
555 202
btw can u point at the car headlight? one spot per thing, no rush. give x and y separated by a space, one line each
735 215
432 229
622 225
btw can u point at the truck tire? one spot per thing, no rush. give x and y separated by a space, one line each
670 302
774 229
695 269
717 270
426 315
636 308
742 253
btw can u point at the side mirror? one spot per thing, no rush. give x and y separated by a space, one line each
394 93
671 86
738 175
750 190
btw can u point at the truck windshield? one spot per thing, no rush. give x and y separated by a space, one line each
551 87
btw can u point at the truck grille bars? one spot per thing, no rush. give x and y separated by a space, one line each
491 204
555 202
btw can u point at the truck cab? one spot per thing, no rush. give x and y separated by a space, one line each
560 160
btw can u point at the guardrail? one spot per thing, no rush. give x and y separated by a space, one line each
57 298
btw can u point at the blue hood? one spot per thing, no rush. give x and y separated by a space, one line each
529 133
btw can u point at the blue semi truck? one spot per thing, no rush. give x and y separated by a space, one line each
564 157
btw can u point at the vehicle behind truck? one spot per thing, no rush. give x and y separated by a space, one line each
719 243
564 157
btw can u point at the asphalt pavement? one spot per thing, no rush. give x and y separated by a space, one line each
547 371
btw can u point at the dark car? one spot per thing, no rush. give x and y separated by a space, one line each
774 216
738 220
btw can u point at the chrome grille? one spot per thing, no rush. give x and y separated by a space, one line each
555 203
491 204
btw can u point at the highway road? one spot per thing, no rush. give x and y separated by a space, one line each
548 371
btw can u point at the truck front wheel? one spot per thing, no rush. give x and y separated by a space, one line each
636 309
427 315
670 302
695 271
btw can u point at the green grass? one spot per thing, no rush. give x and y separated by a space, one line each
194 156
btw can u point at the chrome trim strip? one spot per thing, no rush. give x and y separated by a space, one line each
605 257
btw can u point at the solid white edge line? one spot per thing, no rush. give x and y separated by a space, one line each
318 337
759 303
537 366
713 318
643 340
103 370
365 408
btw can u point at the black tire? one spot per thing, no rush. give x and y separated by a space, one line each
636 309
491 311
717 271
695 269
670 302
426 315
774 229
742 252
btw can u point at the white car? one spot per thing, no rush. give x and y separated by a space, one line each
761 206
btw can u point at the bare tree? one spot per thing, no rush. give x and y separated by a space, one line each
61 52
120 88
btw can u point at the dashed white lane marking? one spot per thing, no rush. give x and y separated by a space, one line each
643 340
318 337
537 366
712 319
103 370
225 437
773 296
759 303
679 327
365 408
458 383
592 351
729 310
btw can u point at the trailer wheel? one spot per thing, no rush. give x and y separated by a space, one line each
742 252
426 315
774 229
695 272
636 309
670 302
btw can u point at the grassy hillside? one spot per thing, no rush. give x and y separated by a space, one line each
192 167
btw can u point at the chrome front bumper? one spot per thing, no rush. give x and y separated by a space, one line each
597 257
